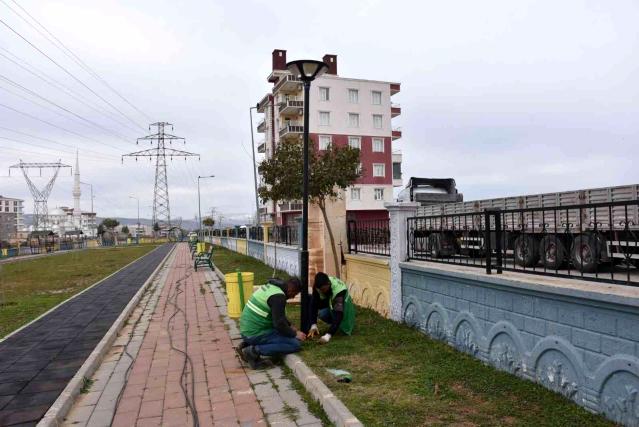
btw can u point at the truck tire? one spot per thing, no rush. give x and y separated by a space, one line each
552 252
585 253
526 251
434 245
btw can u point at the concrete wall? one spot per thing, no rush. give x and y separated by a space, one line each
283 257
241 245
576 338
368 279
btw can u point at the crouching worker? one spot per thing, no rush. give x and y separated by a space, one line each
264 327
332 303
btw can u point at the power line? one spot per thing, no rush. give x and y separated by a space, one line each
48 148
69 73
56 126
91 122
58 143
33 70
73 56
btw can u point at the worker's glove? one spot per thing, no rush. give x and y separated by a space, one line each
313 331
325 338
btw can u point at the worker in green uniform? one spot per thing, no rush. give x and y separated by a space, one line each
332 303
263 324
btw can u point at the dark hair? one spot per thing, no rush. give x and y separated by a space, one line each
321 279
295 283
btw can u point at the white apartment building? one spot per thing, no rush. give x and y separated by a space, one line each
11 218
357 112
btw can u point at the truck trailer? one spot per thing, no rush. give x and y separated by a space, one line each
581 229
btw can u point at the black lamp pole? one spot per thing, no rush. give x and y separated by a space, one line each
307 71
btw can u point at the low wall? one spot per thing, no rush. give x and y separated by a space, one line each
368 278
575 338
282 257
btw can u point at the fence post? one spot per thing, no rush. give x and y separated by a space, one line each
487 242
399 214
498 239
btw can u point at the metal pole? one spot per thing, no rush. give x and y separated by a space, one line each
257 205
304 323
199 208
137 232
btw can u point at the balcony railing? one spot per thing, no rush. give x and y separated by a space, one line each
287 207
291 105
261 126
396 110
291 128
261 148
397 133
288 83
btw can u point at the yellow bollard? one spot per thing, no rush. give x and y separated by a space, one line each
238 293
200 248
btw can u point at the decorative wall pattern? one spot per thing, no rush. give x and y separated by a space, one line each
576 343
368 279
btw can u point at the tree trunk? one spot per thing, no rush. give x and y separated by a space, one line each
322 207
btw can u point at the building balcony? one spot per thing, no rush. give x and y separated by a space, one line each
291 129
397 169
261 106
261 126
290 207
397 133
291 105
394 88
261 148
396 110
288 83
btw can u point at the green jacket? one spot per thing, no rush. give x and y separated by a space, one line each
256 318
348 322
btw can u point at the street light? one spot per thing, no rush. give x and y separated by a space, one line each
307 71
137 230
257 204
199 209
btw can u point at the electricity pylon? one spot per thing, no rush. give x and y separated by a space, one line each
40 197
161 205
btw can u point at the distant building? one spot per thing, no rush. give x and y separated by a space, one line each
63 220
11 218
343 111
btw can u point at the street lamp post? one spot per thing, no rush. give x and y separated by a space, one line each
199 202
137 230
307 71
257 204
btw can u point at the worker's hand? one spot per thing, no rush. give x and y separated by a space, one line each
300 336
325 338
313 331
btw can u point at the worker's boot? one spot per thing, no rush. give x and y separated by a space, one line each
239 349
252 356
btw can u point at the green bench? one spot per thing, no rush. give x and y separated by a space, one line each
204 259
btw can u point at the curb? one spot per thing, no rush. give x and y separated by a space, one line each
60 408
335 410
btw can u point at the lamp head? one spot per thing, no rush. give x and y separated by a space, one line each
307 69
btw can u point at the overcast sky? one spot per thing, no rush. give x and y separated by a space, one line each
506 97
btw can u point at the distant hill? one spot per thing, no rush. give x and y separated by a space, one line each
187 224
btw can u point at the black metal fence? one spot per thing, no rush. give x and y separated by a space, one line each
369 237
597 241
256 233
284 234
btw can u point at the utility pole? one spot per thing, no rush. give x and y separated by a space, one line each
161 207
40 197
199 204
257 204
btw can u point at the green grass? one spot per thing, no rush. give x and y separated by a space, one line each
30 287
403 378
228 262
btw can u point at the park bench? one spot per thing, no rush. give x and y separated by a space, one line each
204 258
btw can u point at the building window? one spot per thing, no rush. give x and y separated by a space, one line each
378 145
325 94
325 118
397 171
359 168
355 142
377 97
379 169
377 121
324 142
353 120
355 193
378 194
353 96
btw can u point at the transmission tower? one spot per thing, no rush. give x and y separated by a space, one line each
161 206
40 197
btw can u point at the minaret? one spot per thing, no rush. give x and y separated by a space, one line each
76 190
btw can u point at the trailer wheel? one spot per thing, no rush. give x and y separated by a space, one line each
526 250
552 252
585 253
434 245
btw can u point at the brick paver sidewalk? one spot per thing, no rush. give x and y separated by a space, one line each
163 387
